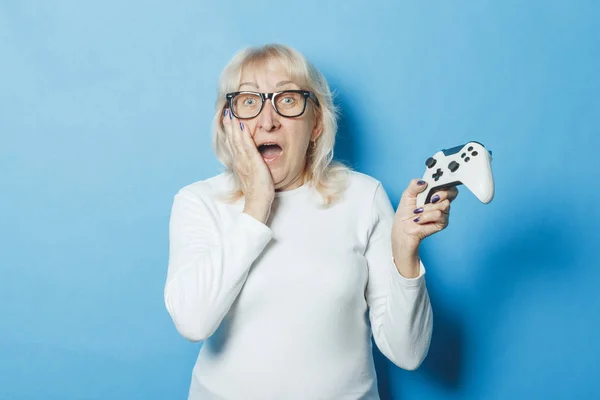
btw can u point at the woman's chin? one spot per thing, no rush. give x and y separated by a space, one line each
283 181
280 181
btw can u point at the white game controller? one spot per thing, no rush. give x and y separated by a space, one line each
469 165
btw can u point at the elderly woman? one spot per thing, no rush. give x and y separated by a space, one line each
287 263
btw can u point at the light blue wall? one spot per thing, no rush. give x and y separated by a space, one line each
105 112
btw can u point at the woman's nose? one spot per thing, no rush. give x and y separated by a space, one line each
268 118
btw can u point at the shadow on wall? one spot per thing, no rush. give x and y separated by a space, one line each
528 252
344 149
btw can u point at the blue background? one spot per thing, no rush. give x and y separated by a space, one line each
105 112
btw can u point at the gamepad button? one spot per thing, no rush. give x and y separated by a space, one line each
453 166
430 162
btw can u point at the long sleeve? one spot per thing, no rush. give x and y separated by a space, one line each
399 308
208 264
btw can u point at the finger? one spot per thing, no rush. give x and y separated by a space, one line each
233 130
227 129
409 196
442 195
434 217
226 120
452 193
244 136
244 139
248 142
426 229
443 206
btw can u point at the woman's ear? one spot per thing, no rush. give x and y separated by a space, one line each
317 127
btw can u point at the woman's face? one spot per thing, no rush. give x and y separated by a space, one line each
293 135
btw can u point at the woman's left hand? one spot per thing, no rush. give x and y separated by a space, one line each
412 224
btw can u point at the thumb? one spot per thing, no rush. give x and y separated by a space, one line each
409 197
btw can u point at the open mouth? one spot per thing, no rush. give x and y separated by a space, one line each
270 152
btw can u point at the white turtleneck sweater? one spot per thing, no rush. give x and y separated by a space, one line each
287 308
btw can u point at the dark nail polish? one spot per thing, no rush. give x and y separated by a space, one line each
224 112
241 126
417 219
229 113
435 199
418 210
421 183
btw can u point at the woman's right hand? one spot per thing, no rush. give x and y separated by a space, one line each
248 165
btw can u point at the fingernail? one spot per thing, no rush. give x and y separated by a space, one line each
418 210
417 219
229 113
421 183
242 126
224 112
435 199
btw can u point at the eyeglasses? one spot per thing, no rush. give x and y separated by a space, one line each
288 103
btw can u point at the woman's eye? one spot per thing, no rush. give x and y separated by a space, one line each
249 102
288 100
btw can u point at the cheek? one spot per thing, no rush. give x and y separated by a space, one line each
250 124
298 149
298 136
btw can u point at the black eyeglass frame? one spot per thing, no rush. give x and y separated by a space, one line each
269 96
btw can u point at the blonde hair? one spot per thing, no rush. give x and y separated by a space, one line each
329 177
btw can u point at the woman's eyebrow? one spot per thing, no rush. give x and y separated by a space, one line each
284 83
249 84
281 83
